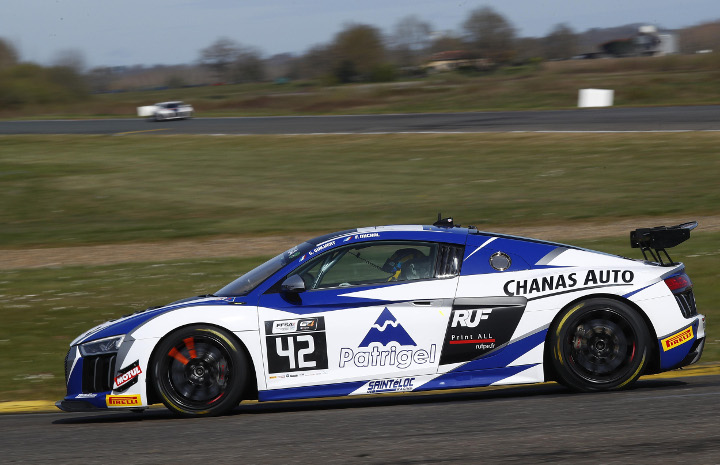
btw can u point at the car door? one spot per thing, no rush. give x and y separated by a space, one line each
370 310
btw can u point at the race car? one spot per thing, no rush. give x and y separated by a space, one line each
166 110
399 309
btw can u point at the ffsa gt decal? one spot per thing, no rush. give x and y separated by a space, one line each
475 330
296 345
676 339
593 278
127 376
383 339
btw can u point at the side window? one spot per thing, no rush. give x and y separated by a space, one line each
370 263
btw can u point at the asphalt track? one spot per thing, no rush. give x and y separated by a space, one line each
661 420
688 118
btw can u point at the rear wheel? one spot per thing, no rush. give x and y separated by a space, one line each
599 344
200 371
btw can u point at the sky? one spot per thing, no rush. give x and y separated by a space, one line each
129 32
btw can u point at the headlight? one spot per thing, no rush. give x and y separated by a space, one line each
101 346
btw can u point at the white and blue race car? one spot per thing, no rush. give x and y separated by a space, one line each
400 308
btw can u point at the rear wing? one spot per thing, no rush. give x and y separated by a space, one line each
655 240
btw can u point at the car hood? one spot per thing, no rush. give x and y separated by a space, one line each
129 323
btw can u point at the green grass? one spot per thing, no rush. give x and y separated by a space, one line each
44 309
72 190
671 80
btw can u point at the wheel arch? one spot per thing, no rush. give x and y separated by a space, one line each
654 362
251 387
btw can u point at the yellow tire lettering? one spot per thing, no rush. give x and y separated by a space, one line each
558 351
637 372
174 404
558 354
232 346
562 322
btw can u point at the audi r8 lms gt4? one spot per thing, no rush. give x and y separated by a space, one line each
166 110
400 308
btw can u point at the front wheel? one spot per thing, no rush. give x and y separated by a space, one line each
599 344
199 371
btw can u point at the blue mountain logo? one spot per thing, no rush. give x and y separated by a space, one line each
385 330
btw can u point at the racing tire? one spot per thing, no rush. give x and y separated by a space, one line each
599 344
200 371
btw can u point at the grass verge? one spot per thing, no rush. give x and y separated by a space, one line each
74 190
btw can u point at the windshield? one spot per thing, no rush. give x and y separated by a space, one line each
250 280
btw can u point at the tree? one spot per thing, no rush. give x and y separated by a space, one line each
219 57
248 66
8 55
446 42
70 58
174 81
28 83
99 79
357 50
490 34
410 39
317 62
232 62
529 49
560 43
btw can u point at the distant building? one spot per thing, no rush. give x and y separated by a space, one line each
455 59
647 42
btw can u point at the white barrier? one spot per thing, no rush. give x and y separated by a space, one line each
595 98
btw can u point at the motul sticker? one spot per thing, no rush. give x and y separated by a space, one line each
127 376
676 339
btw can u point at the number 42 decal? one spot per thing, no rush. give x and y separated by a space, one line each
301 353
296 345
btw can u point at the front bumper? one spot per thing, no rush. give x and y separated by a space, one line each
75 405
100 401
94 383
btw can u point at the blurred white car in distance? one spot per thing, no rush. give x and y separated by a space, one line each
166 110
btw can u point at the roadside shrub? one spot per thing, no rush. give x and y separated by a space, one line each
383 73
28 83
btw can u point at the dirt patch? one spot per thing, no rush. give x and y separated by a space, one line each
245 247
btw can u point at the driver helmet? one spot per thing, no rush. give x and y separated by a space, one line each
401 258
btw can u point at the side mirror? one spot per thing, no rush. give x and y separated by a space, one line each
293 284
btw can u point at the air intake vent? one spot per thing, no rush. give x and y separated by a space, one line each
98 373
686 301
